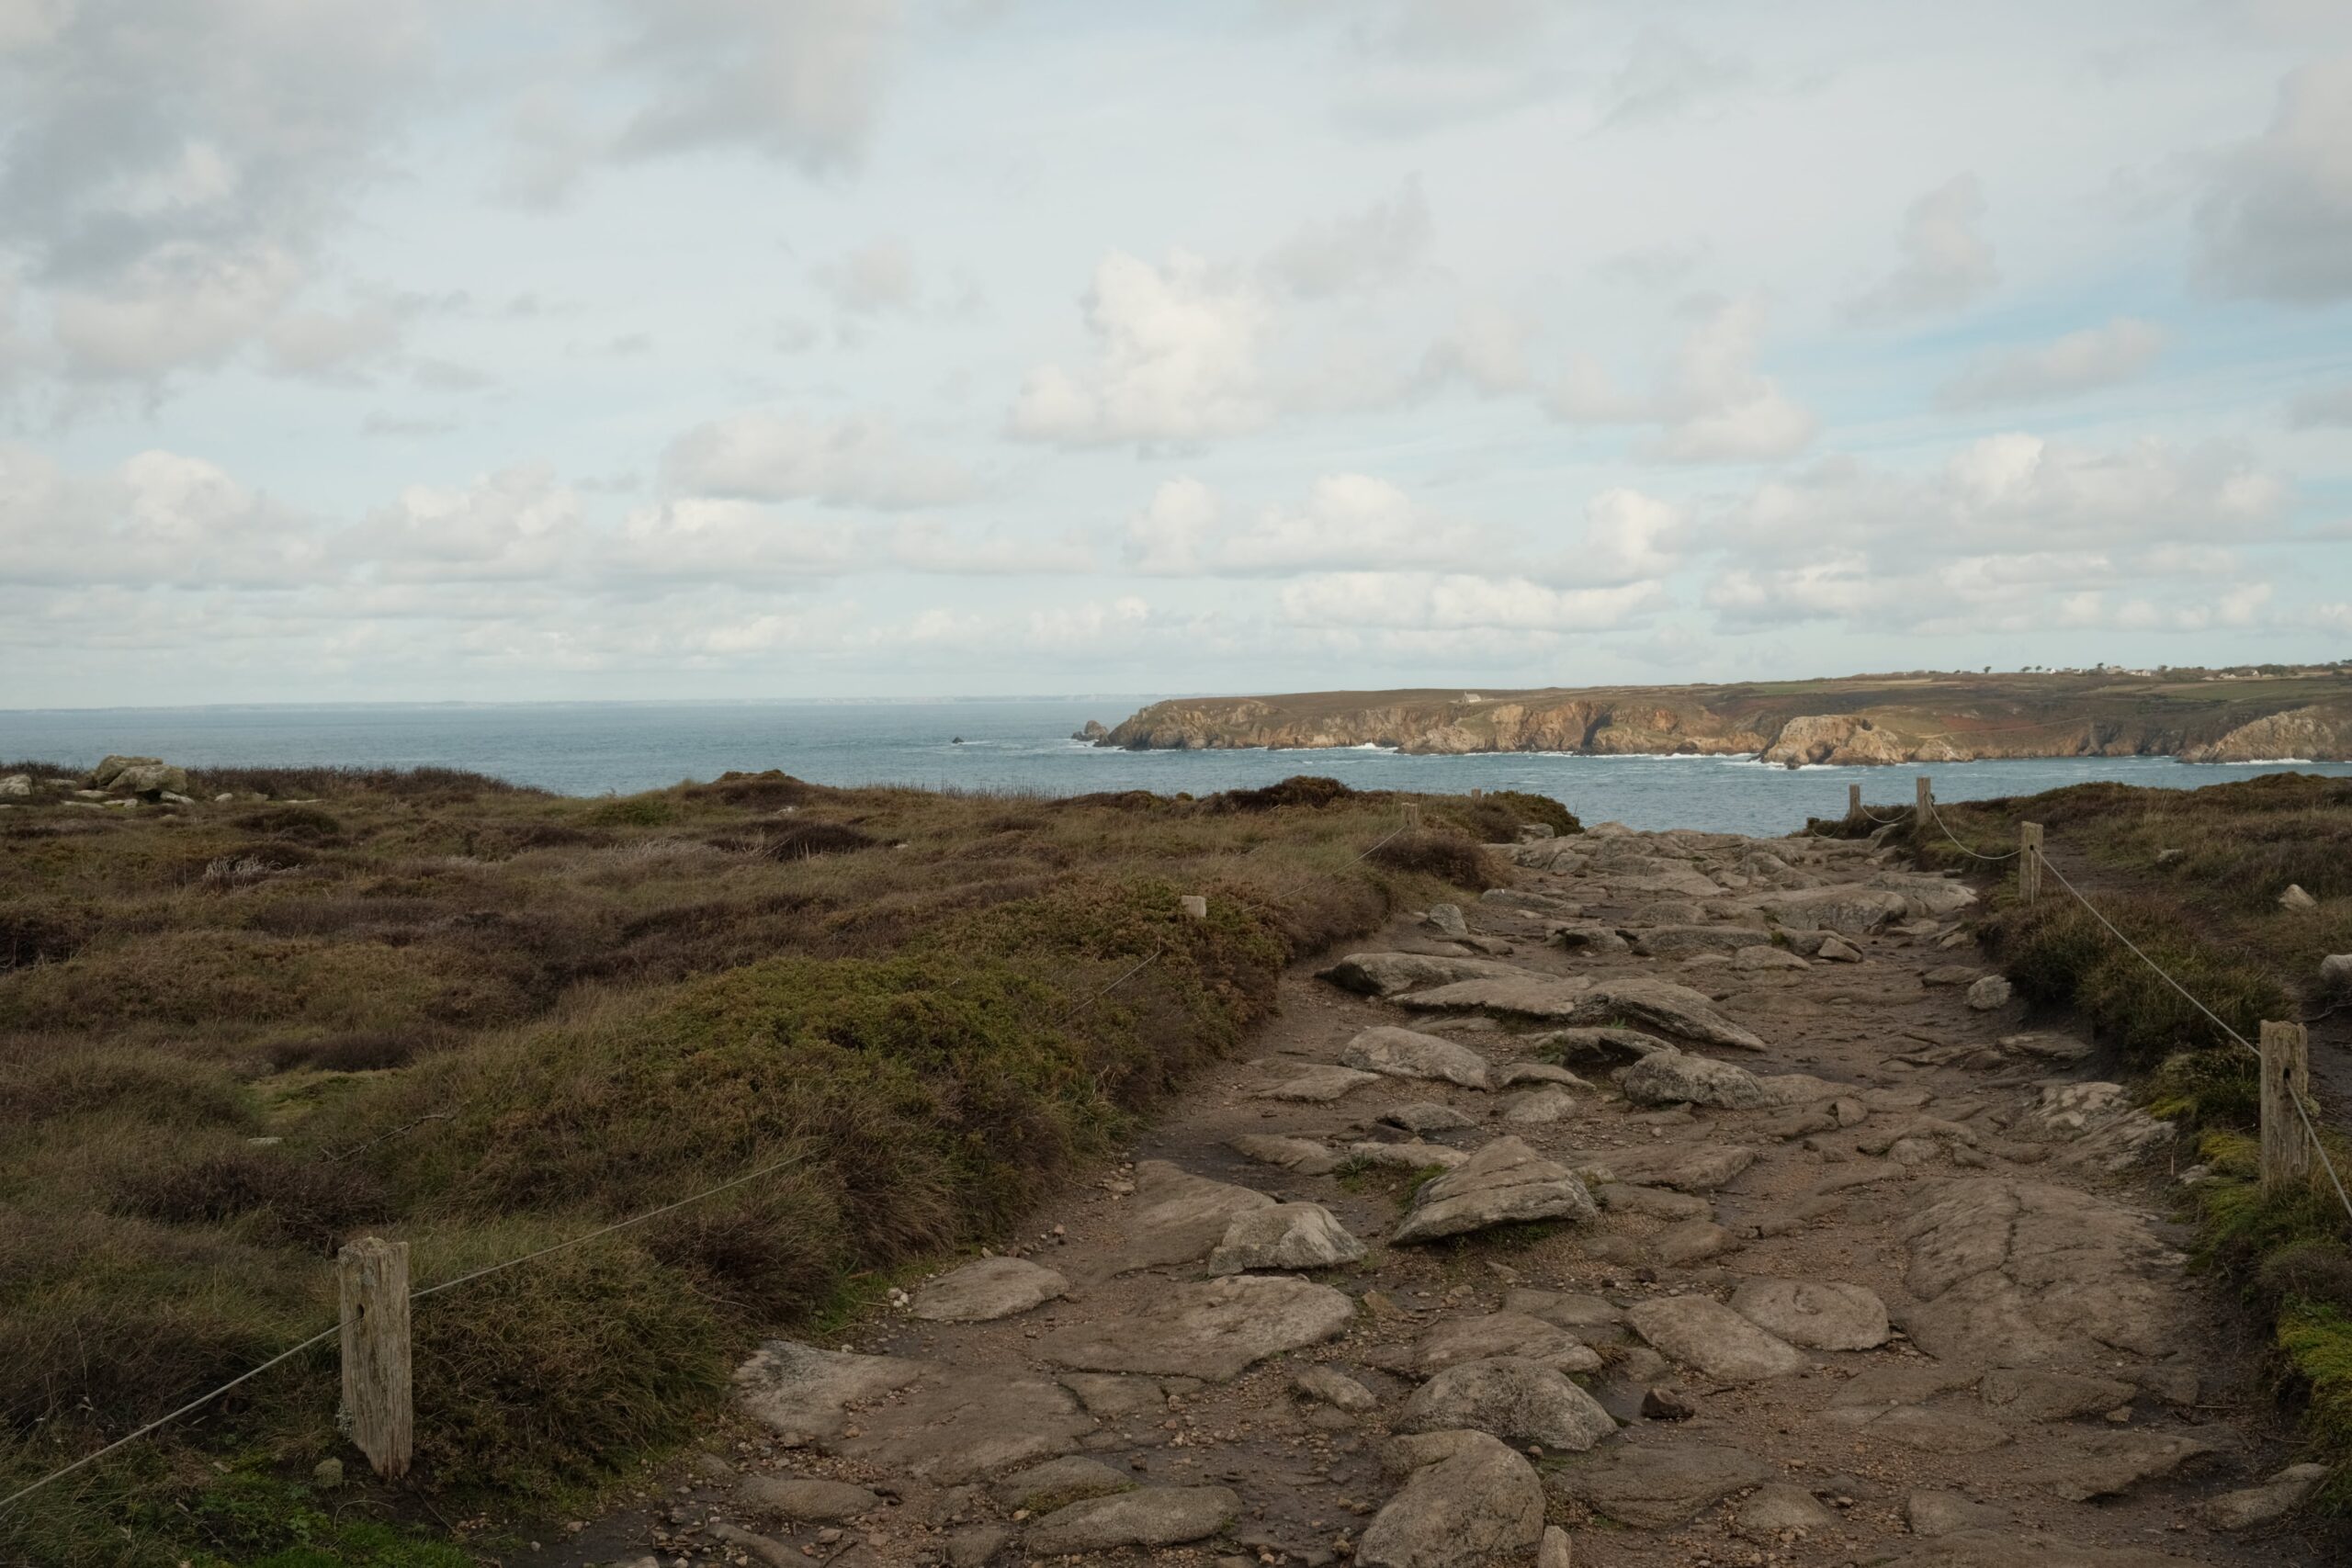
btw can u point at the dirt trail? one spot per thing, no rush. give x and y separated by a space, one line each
1893 1283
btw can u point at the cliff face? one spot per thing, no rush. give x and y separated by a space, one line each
1867 720
2314 734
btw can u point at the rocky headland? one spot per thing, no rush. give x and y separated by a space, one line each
2197 715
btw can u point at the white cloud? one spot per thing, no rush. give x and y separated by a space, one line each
801 82
872 280
1460 602
934 548
1167 537
1347 521
1381 245
1629 535
332 345
1710 406
2078 362
1487 347
2007 529
183 304
700 539
518 524
1947 262
2276 219
783 457
158 519
1177 359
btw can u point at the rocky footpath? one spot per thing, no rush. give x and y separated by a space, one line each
1759 1232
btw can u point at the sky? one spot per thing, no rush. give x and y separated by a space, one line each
645 349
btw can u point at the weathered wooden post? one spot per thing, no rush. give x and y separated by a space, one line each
2028 861
373 1277
1853 803
2286 1069
1413 816
1927 799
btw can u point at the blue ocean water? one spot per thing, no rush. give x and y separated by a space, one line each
1018 745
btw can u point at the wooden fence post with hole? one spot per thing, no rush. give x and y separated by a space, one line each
1412 816
1853 803
1927 799
2286 1071
372 1278
2028 861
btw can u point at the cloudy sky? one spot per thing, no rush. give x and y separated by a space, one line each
716 349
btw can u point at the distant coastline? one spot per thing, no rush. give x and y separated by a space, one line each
2273 715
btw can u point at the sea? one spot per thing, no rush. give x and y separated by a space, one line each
1011 746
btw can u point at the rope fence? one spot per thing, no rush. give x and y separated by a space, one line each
2284 1070
388 1408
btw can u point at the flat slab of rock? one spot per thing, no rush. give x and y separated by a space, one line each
808 1499
2273 1500
1597 1045
1657 1004
1286 1236
966 1427
985 1290
2038 1394
1213 1331
1933 1429
1471 1500
1386 973
1818 1314
1676 942
1538 1072
1147 1516
1415 1155
1060 1481
2100 1464
1945 1513
1426 1116
1778 1509
1651 1486
1503 1334
798 1391
1503 1183
1763 956
2019 1273
1848 911
1178 1217
1686 1167
1520 1401
1301 1155
1703 1333
1318 1085
1539 1107
1675 1078
1408 1054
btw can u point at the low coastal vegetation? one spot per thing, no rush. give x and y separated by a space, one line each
484 1020
2200 881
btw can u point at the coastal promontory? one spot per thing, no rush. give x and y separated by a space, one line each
2265 714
